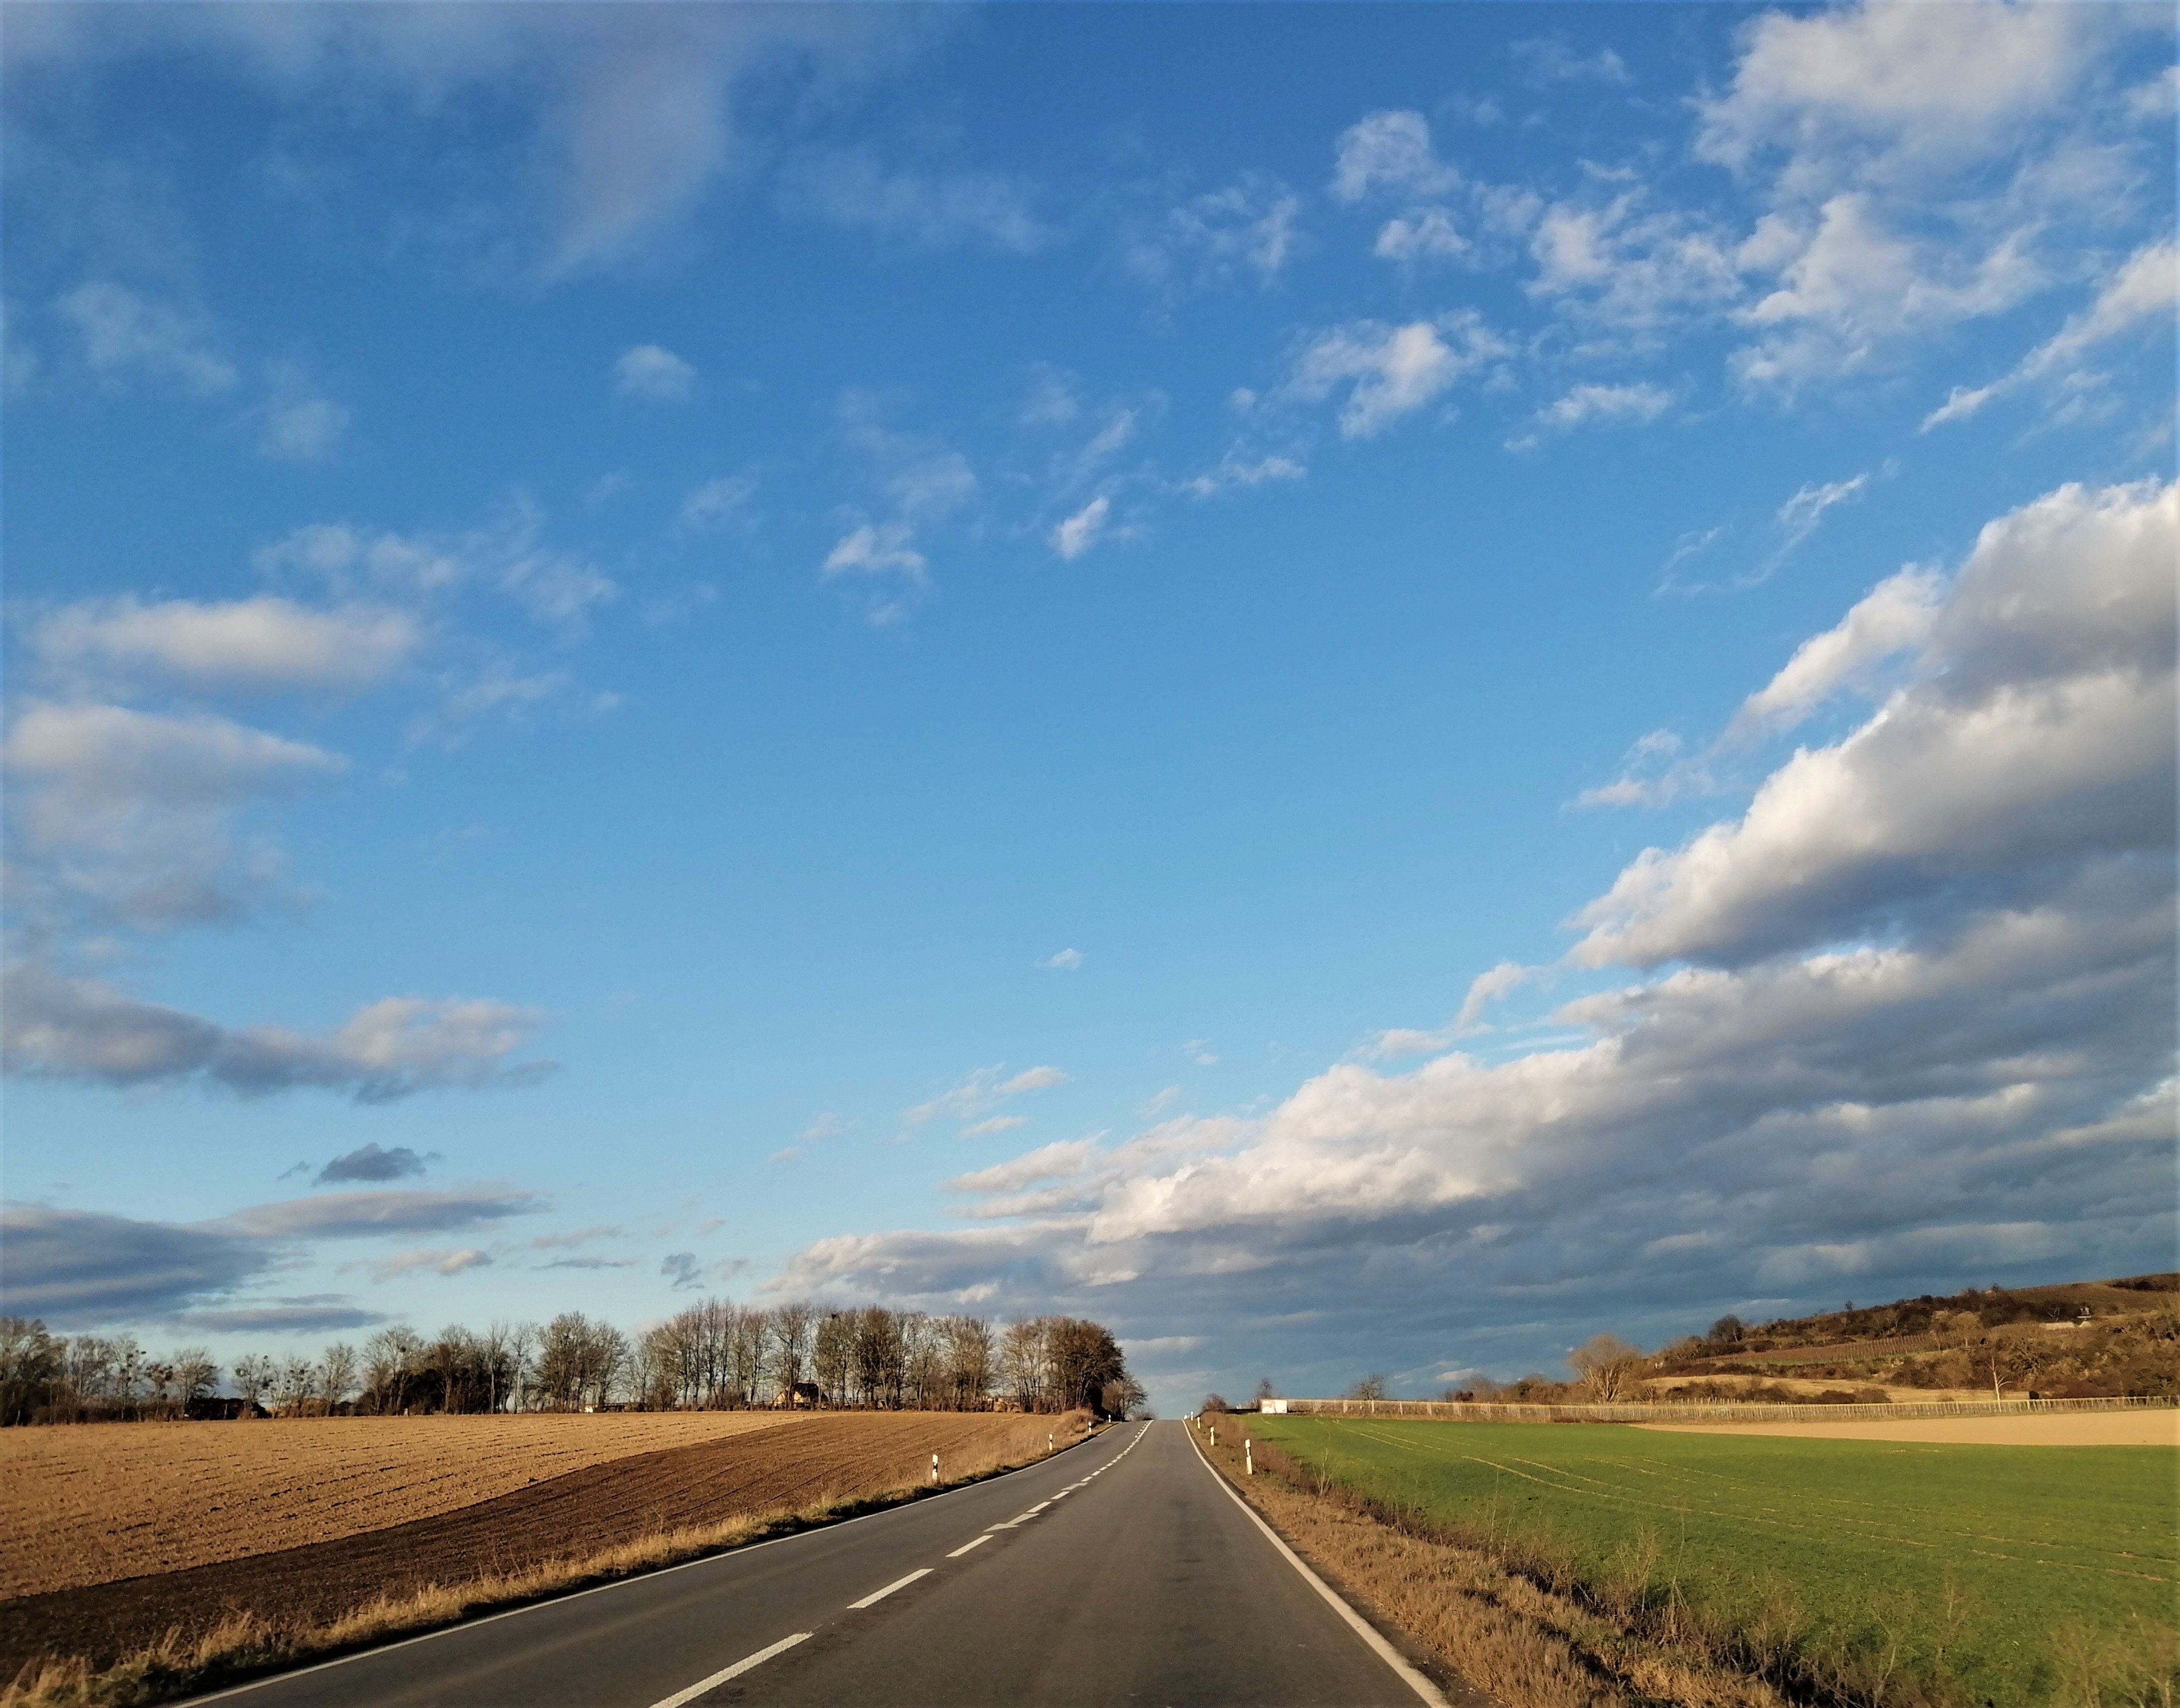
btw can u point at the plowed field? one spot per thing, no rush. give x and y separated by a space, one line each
87 1504
810 1459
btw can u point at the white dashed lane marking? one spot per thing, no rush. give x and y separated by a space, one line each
898 1583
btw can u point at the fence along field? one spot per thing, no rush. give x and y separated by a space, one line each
1851 1571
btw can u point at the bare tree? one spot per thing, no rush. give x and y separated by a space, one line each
791 1324
195 1374
337 1374
293 1384
1371 1387
1606 1366
253 1376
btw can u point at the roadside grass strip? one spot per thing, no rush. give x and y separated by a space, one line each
2007 1575
681 1697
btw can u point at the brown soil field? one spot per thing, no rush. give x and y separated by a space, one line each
811 1460
2146 1428
87 1503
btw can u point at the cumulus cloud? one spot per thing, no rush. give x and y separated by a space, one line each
1922 166
256 646
653 374
1390 372
63 1028
1063 960
1910 1008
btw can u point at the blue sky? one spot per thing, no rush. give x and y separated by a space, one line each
1356 687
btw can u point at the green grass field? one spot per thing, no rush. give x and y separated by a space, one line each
2019 1573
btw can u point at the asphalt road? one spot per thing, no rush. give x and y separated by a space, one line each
1122 1572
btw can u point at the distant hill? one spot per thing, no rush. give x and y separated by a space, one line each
2072 1339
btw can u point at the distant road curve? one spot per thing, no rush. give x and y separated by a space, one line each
1120 1572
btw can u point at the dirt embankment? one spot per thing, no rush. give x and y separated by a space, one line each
817 1460
87 1504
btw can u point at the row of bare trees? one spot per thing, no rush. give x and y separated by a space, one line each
84 1375
715 1354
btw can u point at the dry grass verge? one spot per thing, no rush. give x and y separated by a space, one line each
251 1642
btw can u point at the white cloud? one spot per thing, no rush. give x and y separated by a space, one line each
981 1091
653 374
297 423
1852 288
1610 405
849 187
2035 726
877 549
1485 990
1080 531
439 1263
1252 225
1238 468
63 1028
262 645
1924 85
1801 514
1062 961
996 1123
1896 617
1552 59
2143 291
1428 235
1631 266
1390 153
1391 371
717 500
126 335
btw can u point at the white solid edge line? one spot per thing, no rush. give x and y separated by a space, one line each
966 1546
730 1553
1364 1628
736 1671
880 1595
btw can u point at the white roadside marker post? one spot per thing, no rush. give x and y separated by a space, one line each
1048 1440
934 1467
1248 1458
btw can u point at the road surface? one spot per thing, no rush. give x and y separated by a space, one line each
1120 1572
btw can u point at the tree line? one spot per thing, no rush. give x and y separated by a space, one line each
716 1354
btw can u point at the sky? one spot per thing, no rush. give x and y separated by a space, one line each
1358 688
